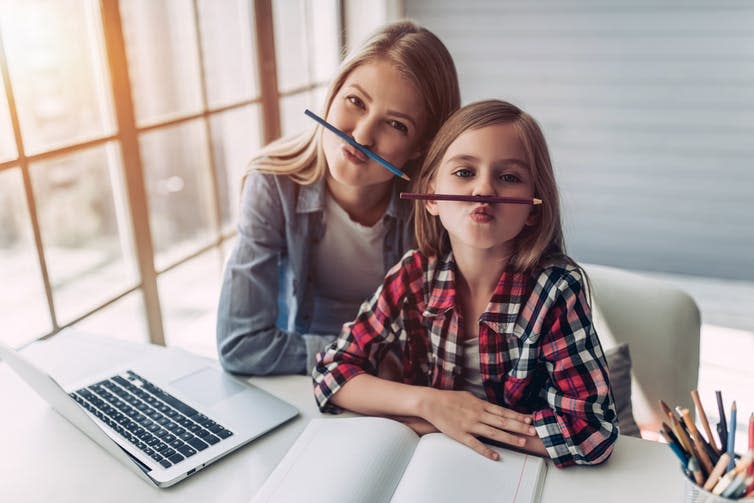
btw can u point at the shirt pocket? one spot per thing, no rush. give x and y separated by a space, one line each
525 378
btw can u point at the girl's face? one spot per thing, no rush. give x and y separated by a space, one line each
489 161
381 110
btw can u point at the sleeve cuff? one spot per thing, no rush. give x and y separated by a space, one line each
553 437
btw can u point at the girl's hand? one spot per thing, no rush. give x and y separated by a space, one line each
461 416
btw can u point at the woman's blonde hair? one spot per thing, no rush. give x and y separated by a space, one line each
418 55
537 244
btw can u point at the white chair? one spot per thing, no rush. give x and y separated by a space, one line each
661 325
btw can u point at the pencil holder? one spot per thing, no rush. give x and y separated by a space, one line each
692 493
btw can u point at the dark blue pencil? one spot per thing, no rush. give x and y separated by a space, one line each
358 146
677 449
722 428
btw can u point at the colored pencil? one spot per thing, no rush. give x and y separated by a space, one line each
668 412
751 442
683 437
358 146
703 419
677 450
732 436
695 469
717 472
471 199
669 432
698 440
722 428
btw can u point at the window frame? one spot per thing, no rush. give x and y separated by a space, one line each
127 134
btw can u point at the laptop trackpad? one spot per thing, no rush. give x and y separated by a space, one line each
207 386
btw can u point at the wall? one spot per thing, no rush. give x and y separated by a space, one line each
648 108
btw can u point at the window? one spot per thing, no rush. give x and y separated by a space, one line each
306 47
125 129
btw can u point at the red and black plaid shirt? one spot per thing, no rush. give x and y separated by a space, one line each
539 353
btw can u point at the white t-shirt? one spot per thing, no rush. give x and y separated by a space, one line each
348 266
472 375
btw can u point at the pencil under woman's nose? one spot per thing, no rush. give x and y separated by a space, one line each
363 133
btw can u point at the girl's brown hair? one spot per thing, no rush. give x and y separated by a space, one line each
538 244
418 55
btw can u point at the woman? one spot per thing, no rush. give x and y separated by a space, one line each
320 223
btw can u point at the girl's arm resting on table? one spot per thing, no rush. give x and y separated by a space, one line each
458 414
580 425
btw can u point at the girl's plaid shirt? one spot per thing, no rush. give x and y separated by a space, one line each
539 353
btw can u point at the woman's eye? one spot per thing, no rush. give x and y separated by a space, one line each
398 125
463 173
355 100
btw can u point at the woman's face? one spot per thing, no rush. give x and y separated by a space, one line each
381 110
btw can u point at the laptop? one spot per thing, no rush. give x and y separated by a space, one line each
162 412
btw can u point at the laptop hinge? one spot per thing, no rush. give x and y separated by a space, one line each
141 465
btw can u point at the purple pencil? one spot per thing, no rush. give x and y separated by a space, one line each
471 199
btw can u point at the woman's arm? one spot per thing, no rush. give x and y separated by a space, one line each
580 424
248 339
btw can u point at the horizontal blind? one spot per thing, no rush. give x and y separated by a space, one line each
648 109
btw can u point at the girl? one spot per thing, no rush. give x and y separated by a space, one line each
320 223
489 316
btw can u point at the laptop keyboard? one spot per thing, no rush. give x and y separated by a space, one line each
163 427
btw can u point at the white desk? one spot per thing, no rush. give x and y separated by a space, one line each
45 458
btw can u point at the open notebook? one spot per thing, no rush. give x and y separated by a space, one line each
374 460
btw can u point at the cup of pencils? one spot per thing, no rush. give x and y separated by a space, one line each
712 473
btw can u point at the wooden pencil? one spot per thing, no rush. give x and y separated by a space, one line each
704 459
667 410
717 472
683 437
703 419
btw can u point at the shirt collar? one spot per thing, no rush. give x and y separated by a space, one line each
442 278
503 308
506 302
311 198
397 208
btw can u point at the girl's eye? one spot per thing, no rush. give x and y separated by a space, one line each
398 125
355 100
463 173
509 178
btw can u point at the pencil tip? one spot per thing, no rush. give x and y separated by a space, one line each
405 177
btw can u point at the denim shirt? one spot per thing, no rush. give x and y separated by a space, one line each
267 299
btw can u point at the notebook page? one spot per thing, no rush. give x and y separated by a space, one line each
443 470
350 459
